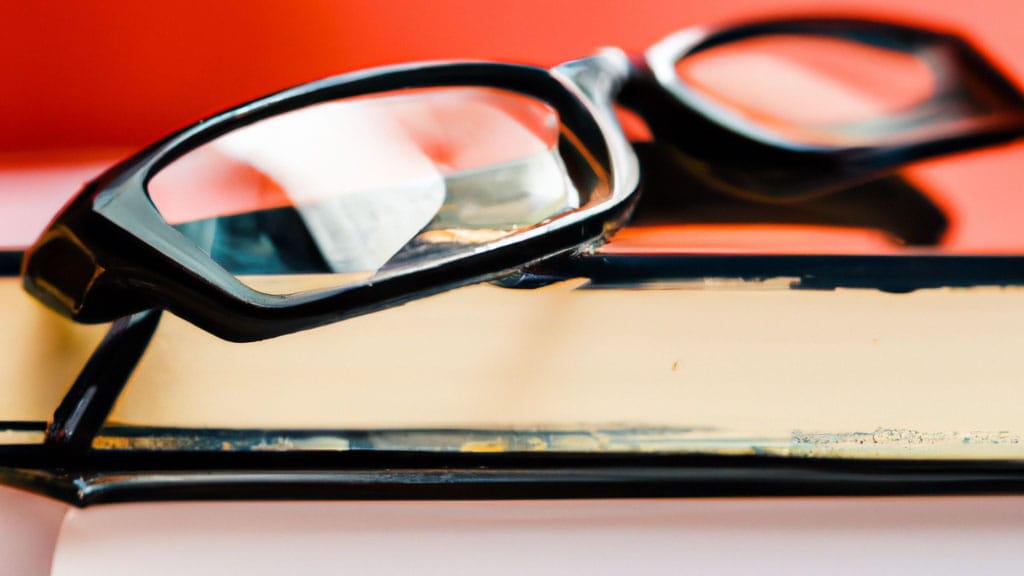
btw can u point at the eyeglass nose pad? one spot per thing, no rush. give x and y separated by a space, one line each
60 272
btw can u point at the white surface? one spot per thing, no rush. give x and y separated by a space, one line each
29 526
978 535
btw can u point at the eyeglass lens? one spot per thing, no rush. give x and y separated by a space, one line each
341 191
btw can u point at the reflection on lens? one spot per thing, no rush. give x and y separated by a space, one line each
349 189
811 89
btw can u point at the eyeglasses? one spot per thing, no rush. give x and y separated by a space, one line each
384 186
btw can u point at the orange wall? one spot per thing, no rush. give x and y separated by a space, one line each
123 72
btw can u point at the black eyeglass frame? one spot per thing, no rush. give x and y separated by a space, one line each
110 254
973 105
130 259
72 471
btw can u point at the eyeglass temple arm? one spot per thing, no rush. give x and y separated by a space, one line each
87 404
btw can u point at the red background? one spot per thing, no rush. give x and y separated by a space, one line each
123 72
120 73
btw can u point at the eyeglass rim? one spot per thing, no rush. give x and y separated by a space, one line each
114 219
131 216
975 82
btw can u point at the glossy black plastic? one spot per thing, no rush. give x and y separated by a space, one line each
102 477
85 407
972 105
110 254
